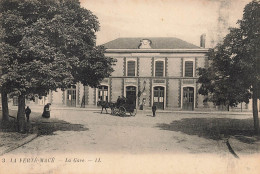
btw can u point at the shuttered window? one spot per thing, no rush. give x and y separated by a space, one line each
131 68
159 68
189 69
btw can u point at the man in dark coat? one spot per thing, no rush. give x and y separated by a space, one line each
154 110
27 113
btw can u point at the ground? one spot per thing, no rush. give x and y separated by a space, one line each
170 140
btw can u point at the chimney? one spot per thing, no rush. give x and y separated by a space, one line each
203 40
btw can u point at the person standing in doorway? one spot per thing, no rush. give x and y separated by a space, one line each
154 110
27 113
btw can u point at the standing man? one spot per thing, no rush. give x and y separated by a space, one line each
154 110
27 113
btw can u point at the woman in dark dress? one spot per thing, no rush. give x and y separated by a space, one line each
46 111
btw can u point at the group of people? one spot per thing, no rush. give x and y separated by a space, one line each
45 114
46 109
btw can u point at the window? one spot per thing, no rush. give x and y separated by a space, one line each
71 96
159 68
103 93
188 69
131 68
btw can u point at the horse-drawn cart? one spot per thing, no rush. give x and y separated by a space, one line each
122 110
119 108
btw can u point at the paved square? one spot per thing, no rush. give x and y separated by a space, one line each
170 140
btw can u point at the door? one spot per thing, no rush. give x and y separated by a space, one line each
71 97
131 95
158 97
188 98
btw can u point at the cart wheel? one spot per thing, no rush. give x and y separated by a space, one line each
133 113
122 111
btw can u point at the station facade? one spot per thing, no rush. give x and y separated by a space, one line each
159 71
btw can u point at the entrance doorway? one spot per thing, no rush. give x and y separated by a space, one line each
71 97
131 95
188 98
158 97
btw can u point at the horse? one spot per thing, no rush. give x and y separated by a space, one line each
105 105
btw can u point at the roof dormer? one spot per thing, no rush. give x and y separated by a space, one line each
145 44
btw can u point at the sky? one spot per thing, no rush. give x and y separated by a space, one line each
184 19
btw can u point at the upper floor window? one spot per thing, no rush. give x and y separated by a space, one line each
131 68
188 69
159 68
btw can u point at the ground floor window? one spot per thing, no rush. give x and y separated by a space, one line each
15 101
103 93
71 97
188 98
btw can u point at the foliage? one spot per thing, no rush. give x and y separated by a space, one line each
219 81
234 75
49 44
235 62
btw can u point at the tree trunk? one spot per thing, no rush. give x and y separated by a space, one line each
255 111
21 114
5 111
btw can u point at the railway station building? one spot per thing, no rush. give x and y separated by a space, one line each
158 70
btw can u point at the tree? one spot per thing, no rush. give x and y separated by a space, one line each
217 84
236 64
5 51
53 44
5 111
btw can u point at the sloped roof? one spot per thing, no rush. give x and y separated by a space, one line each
156 43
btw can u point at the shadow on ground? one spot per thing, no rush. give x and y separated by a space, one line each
43 126
8 126
48 128
40 125
215 128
